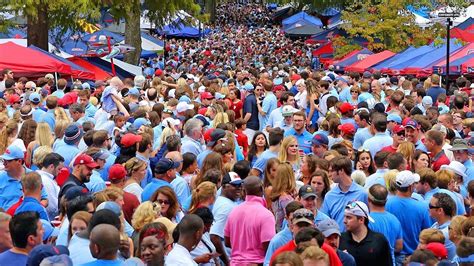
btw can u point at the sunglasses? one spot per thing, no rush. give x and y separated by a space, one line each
166 202
363 150
354 92
401 134
353 205
433 207
303 215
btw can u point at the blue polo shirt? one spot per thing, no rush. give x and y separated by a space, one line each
389 226
361 136
268 105
279 240
377 143
37 113
191 145
68 152
448 244
469 171
200 158
90 110
11 190
152 187
336 201
304 139
32 204
420 146
181 188
262 160
96 183
412 221
49 118
10 258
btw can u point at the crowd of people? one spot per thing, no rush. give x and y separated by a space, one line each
235 150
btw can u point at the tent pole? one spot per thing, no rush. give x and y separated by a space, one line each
56 79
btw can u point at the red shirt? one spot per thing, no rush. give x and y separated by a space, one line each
390 149
236 107
242 141
130 204
290 246
438 160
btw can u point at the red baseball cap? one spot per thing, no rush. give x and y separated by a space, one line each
207 135
85 160
14 99
438 249
398 128
158 73
278 88
295 77
117 172
346 107
202 111
130 139
206 95
347 128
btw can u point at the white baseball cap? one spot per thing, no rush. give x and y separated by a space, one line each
183 107
406 178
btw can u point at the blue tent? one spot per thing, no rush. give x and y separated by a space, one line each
13 33
403 57
421 11
152 39
328 34
302 16
466 23
454 66
94 37
183 31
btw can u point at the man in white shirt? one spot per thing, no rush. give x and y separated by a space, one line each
191 229
50 167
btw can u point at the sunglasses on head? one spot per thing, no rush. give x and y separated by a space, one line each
353 205
303 215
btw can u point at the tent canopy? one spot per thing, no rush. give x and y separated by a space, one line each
98 73
466 23
369 61
326 35
462 34
302 16
352 58
30 63
302 24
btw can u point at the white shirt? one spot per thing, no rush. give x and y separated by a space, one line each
52 189
179 255
135 189
202 249
301 100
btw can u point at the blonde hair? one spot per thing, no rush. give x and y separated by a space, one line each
60 115
40 154
60 128
315 254
167 131
390 179
284 182
203 192
6 133
456 226
145 213
132 165
407 149
43 135
113 193
431 235
181 82
283 154
220 118
444 177
359 177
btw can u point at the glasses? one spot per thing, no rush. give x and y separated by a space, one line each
307 215
354 204
354 92
166 202
433 207
363 150
401 134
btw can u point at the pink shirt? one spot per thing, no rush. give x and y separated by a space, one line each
248 226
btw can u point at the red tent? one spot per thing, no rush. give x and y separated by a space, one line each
468 67
369 61
325 49
99 73
462 34
27 62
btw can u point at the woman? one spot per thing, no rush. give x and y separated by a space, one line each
363 161
79 222
334 136
8 137
136 171
269 176
354 95
455 228
407 149
152 243
27 131
236 104
289 153
166 198
190 167
203 196
420 160
202 253
145 213
212 161
258 145
43 137
321 183
312 113
301 96
308 166
227 153
283 191
220 118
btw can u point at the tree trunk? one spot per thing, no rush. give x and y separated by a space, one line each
132 34
38 27
211 9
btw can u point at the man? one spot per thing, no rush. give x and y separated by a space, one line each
332 237
133 98
250 216
319 145
250 111
434 141
302 219
225 203
81 173
307 196
190 230
31 185
165 172
367 246
300 133
276 117
275 137
460 150
344 89
35 100
179 184
103 141
398 136
26 231
385 223
206 99
117 174
346 109
7 74
61 87
285 235
363 133
380 139
380 160
5 237
413 134
77 113
217 138
96 183
268 104
144 151
192 141
435 89
412 221
69 150
83 99
447 120
393 120
442 208
104 245
347 190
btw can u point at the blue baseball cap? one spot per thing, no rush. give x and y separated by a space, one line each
394 118
140 122
411 123
110 205
49 230
248 86
340 78
34 98
320 139
40 252
13 153
164 165
185 99
133 91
